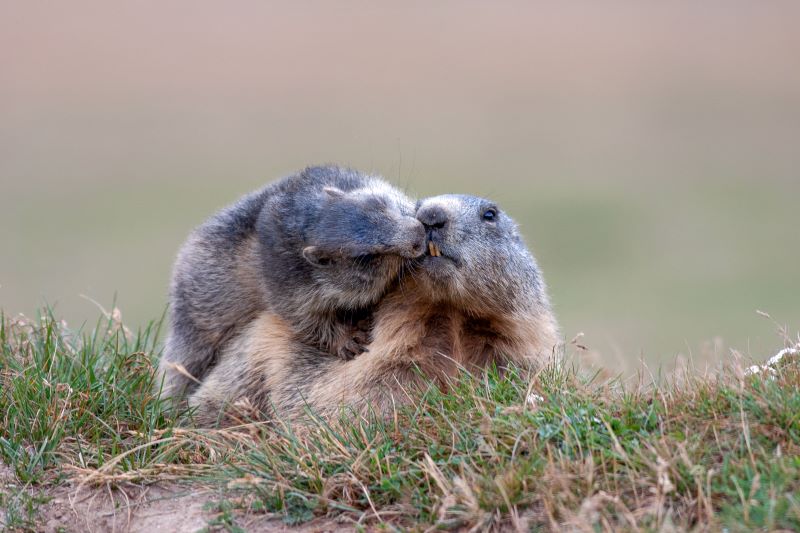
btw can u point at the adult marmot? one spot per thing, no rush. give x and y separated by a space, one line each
475 298
317 249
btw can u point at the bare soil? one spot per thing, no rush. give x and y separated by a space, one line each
172 507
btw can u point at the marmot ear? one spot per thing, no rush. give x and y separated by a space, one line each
316 257
333 192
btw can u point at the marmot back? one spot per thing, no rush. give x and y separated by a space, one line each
318 248
476 298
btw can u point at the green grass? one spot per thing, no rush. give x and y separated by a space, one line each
554 450
18 507
82 397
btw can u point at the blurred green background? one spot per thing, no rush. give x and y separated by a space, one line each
651 153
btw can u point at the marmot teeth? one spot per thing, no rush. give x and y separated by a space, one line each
433 249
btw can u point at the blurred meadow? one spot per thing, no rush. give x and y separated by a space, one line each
650 152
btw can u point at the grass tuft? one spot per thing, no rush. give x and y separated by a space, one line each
80 400
551 451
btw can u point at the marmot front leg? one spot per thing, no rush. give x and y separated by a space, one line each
350 339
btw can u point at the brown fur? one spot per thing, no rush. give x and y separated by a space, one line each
476 299
414 340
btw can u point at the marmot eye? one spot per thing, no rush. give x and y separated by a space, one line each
490 214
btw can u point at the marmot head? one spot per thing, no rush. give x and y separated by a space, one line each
361 241
475 256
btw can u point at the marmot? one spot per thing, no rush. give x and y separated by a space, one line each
317 249
475 298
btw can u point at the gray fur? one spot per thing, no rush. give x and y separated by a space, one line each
318 248
484 265
476 298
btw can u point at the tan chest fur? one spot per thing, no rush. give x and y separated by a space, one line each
414 341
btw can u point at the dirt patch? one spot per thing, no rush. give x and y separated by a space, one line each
174 507
159 507
151 508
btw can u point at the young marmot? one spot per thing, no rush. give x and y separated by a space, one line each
317 249
476 298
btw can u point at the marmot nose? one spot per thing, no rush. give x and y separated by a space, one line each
432 216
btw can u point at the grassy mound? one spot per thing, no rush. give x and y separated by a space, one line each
545 452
